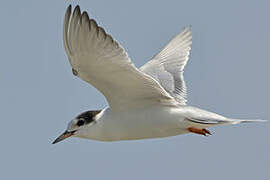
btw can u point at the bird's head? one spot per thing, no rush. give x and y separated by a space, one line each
79 123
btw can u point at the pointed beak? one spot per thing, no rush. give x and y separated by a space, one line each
63 136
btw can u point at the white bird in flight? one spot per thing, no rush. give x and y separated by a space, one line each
149 102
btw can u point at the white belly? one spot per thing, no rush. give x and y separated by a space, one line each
152 122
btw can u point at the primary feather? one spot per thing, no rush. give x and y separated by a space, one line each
167 67
99 60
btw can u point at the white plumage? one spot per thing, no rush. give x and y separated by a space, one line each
99 60
167 67
149 102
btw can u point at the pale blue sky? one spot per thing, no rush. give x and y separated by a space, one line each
228 73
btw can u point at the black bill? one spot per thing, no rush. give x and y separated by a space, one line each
63 136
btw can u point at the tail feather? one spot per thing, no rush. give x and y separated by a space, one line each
238 121
223 121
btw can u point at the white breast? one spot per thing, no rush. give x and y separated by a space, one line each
147 122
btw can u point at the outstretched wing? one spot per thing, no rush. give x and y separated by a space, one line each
167 67
99 60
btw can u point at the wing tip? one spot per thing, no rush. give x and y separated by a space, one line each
77 8
68 11
65 28
85 17
69 7
187 30
188 27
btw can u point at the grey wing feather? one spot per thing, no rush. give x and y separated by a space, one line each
101 61
167 67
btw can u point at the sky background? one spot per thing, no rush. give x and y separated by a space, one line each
228 73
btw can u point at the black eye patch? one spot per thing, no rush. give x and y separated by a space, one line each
87 117
80 122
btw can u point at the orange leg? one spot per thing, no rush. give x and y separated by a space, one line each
204 132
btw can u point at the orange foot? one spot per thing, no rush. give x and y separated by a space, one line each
204 132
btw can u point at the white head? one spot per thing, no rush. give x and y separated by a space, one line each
79 123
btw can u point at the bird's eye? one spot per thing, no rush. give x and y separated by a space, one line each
80 122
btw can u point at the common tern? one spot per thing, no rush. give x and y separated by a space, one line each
149 102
